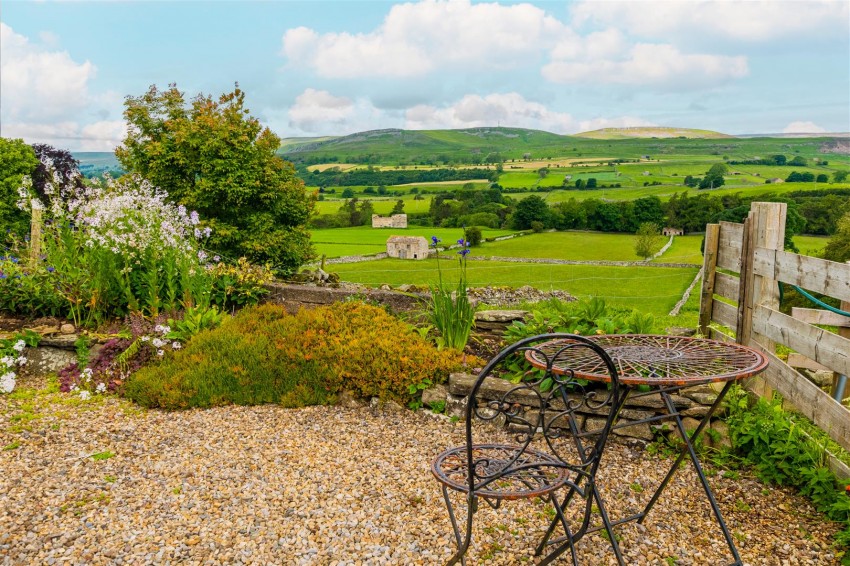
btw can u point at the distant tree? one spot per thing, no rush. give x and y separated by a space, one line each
348 192
822 178
647 239
648 209
530 209
779 159
212 156
838 247
398 208
591 183
580 184
472 235
691 181
798 161
543 172
369 191
839 176
382 190
16 160
61 163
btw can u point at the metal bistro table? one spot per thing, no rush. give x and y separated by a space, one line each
666 364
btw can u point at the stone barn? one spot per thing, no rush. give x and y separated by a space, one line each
673 232
407 247
394 221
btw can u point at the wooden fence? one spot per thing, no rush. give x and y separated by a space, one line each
743 266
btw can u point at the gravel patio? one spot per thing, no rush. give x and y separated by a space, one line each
102 482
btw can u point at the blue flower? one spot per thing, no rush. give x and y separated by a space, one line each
435 240
51 269
464 252
2 275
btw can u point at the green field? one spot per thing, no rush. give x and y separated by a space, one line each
810 245
652 290
685 249
580 246
365 240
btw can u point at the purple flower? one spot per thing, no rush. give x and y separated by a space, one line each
435 240
2 275
464 252
51 269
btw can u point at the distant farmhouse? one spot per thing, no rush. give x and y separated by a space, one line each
394 221
407 247
673 232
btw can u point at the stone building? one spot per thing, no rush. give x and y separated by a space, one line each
394 221
407 247
672 232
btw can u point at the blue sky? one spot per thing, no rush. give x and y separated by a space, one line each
333 68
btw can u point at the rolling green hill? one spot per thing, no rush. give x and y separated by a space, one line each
647 132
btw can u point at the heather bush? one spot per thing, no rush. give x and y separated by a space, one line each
263 355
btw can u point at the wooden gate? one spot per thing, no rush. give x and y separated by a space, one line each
743 266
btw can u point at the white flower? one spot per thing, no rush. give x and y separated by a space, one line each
157 343
7 361
101 387
19 346
74 388
160 353
22 360
145 338
176 345
162 329
7 382
85 395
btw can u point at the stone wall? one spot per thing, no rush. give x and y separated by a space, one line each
293 297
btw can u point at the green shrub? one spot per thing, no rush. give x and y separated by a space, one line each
263 355
239 285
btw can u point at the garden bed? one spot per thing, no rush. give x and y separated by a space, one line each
102 481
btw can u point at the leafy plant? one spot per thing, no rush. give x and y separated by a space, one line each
240 285
12 357
451 313
195 320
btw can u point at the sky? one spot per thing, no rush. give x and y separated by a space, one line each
317 68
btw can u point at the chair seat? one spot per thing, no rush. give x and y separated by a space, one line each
511 471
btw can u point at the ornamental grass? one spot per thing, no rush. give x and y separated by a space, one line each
264 355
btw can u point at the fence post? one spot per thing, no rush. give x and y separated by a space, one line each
767 220
837 382
35 231
709 268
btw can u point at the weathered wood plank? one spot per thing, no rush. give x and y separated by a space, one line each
826 348
748 281
808 399
709 271
724 313
731 242
800 361
726 286
818 316
810 273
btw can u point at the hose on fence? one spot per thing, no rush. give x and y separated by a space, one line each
813 299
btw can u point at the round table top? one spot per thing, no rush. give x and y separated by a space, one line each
643 359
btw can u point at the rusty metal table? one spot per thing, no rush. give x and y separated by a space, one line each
663 365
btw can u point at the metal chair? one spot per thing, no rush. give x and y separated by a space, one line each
552 450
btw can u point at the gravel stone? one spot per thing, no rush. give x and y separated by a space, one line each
328 486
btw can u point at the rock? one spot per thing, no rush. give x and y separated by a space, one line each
721 437
503 316
349 400
435 394
456 406
45 360
67 328
701 398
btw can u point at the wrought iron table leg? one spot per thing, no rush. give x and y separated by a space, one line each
689 451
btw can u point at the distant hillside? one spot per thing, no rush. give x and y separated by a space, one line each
645 132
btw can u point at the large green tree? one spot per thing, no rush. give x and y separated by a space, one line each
16 160
213 157
530 209
838 247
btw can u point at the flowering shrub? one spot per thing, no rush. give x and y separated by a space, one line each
263 355
12 358
29 288
451 312
119 247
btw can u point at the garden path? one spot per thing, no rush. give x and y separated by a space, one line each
103 482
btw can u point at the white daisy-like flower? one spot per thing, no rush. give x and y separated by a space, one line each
160 353
176 345
19 346
101 387
85 395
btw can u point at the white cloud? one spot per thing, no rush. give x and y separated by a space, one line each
644 64
508 109
45 98
750 21
314 109
800 127
416 38
39 84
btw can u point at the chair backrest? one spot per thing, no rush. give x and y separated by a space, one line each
546 405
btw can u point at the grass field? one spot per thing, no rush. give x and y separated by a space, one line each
580 246
685 249
810 245
651 290
365 240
